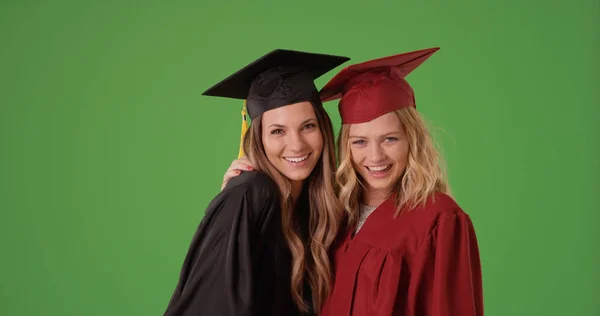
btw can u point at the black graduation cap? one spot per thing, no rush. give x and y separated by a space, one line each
279 78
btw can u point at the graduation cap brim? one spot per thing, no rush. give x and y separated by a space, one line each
406 63
237 86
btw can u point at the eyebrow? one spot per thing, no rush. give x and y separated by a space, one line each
282 126
384 135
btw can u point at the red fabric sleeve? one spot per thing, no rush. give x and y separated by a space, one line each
448 280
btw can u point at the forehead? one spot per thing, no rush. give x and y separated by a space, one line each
384 124
290 114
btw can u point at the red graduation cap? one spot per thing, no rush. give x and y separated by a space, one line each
373 88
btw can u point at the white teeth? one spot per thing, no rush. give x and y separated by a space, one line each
379 168
297 159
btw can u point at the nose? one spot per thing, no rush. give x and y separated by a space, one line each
376 154
295 142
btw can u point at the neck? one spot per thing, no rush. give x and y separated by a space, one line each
374 197
296 190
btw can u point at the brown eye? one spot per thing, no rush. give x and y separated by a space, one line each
310 126
276 131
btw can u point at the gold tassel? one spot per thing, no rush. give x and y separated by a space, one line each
244 129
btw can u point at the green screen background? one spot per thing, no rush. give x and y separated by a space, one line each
109 153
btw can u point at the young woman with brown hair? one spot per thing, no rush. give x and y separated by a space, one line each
262 246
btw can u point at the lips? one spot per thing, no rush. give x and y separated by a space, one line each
378 168
379 171
297 159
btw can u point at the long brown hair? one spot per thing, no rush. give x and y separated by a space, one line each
309 257
424 175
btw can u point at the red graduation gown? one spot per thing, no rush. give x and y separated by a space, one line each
425 262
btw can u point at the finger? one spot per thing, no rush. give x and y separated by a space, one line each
247 161
241 165
228 175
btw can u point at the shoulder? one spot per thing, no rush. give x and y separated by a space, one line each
439 207
440 218
442 205
252 181
254 188
446 216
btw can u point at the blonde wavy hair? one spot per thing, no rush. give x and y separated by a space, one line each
309 255
424 175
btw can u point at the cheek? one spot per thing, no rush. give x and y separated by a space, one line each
400 153
319 142
271 146
315 140
356 156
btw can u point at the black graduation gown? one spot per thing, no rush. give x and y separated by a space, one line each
238 262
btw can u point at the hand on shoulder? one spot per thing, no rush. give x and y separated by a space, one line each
235 169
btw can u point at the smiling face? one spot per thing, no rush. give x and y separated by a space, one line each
292 139
379 150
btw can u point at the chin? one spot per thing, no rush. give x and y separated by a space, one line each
380 185
386 183
297 175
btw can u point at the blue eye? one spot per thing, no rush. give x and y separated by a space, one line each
391 139
358 142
